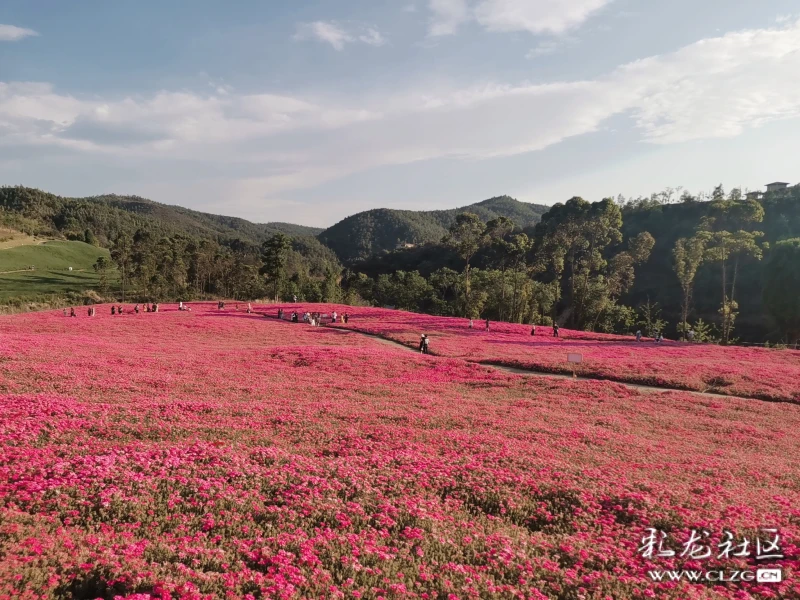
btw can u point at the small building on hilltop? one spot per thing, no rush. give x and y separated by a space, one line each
777 186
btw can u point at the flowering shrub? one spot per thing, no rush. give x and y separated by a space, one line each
215 454
738 371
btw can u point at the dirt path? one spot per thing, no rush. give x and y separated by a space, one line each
532 372
19 240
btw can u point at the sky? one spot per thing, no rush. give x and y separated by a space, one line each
309 111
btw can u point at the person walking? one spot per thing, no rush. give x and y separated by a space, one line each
422 343
487 324
638 335
346 318
65 312
533 330
555 330
690 335
333 317
425 345
249 308
294 298
470 323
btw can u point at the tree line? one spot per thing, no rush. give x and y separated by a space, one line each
575 267
724 265
180 267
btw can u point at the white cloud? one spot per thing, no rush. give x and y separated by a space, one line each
337 35
324 32
11 33
372 37
536 16
448 15
271 144
717 87
544 48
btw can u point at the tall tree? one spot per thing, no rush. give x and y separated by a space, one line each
559 242
121 254
518 249
101 267
275 253
688 255
729 224
782 287
466 236
497 230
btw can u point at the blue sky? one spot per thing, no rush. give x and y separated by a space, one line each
311 111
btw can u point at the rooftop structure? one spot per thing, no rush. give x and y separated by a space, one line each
777 185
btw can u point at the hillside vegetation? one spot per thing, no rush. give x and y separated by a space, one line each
659 264
372 232
103 218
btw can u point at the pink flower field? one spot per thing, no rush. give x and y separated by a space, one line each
215 454
748 372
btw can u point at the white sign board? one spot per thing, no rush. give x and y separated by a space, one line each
575 358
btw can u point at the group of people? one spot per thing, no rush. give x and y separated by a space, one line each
555 330
312 318
147 308
91 311
658 338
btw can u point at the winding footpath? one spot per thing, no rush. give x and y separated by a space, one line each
532 372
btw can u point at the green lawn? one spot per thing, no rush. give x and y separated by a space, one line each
51 275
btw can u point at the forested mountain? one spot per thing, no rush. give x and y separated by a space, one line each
725 266
165 251
372 232
728 240
104 217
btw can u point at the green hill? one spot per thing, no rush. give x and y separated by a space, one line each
374 231
203 224
51 274
36 212
101 219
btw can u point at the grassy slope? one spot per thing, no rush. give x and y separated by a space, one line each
51 276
